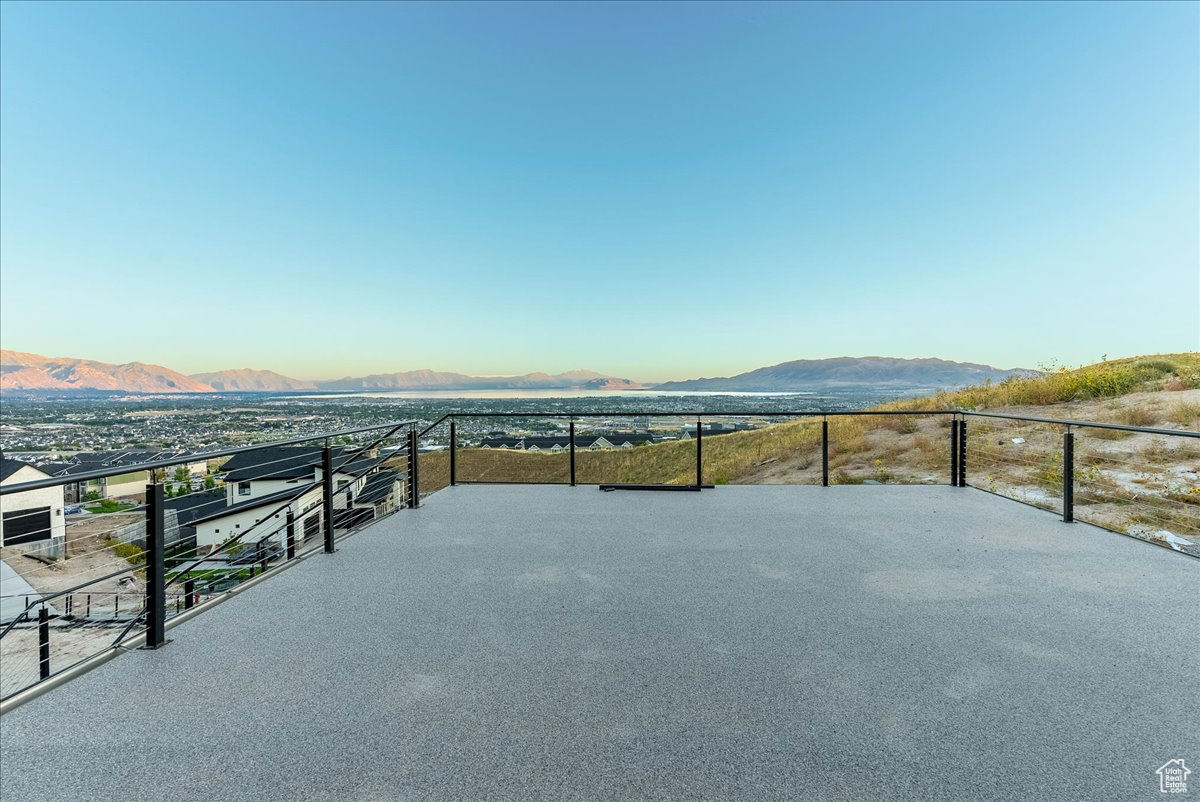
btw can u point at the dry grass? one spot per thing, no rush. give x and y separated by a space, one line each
1102 380
1184 414
1138 416
868 445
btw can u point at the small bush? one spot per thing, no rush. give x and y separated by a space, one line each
1157 452
844 477
1050 475
1138 416
1107 434
882 475
1184 414
129 552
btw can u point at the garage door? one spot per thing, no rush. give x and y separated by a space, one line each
26 526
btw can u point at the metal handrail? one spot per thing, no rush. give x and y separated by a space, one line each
625 413
811 414
1120 427
54 481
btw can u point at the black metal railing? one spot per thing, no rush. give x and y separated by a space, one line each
139 574
1052 468
1119 477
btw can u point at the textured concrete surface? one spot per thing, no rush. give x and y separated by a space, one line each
758 643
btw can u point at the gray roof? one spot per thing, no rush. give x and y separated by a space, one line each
293 462
251 504
378 487
196 506
10 466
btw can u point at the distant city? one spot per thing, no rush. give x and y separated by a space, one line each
36 428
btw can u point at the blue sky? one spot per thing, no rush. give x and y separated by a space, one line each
653 191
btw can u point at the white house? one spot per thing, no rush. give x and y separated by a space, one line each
262 517
263 484
32 519
383 493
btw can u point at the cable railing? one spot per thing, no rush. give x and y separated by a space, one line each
137 572
122 579
1135 480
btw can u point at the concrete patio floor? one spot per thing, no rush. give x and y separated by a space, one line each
757 643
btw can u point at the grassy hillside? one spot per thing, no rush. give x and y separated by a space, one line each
1107 379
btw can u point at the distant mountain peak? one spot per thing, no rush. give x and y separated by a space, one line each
250 380
33 372
851 372
23 371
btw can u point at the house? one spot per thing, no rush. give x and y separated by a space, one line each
132 483
34 518
555 445
268 482
263 516
269 470
182 512
383 493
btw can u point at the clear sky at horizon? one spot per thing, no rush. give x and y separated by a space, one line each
654 191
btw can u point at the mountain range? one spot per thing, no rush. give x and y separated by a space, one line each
851 372
33 372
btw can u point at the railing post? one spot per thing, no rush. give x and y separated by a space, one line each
414 487
291 534
156 580
327 493
43 642
962 453
189 594
699 453
453 453
824 452
954 452
1068 475
571 437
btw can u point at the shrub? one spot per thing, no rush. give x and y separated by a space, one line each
1138 416
843 477
129 552
1184 413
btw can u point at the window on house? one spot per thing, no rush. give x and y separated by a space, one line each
243 488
